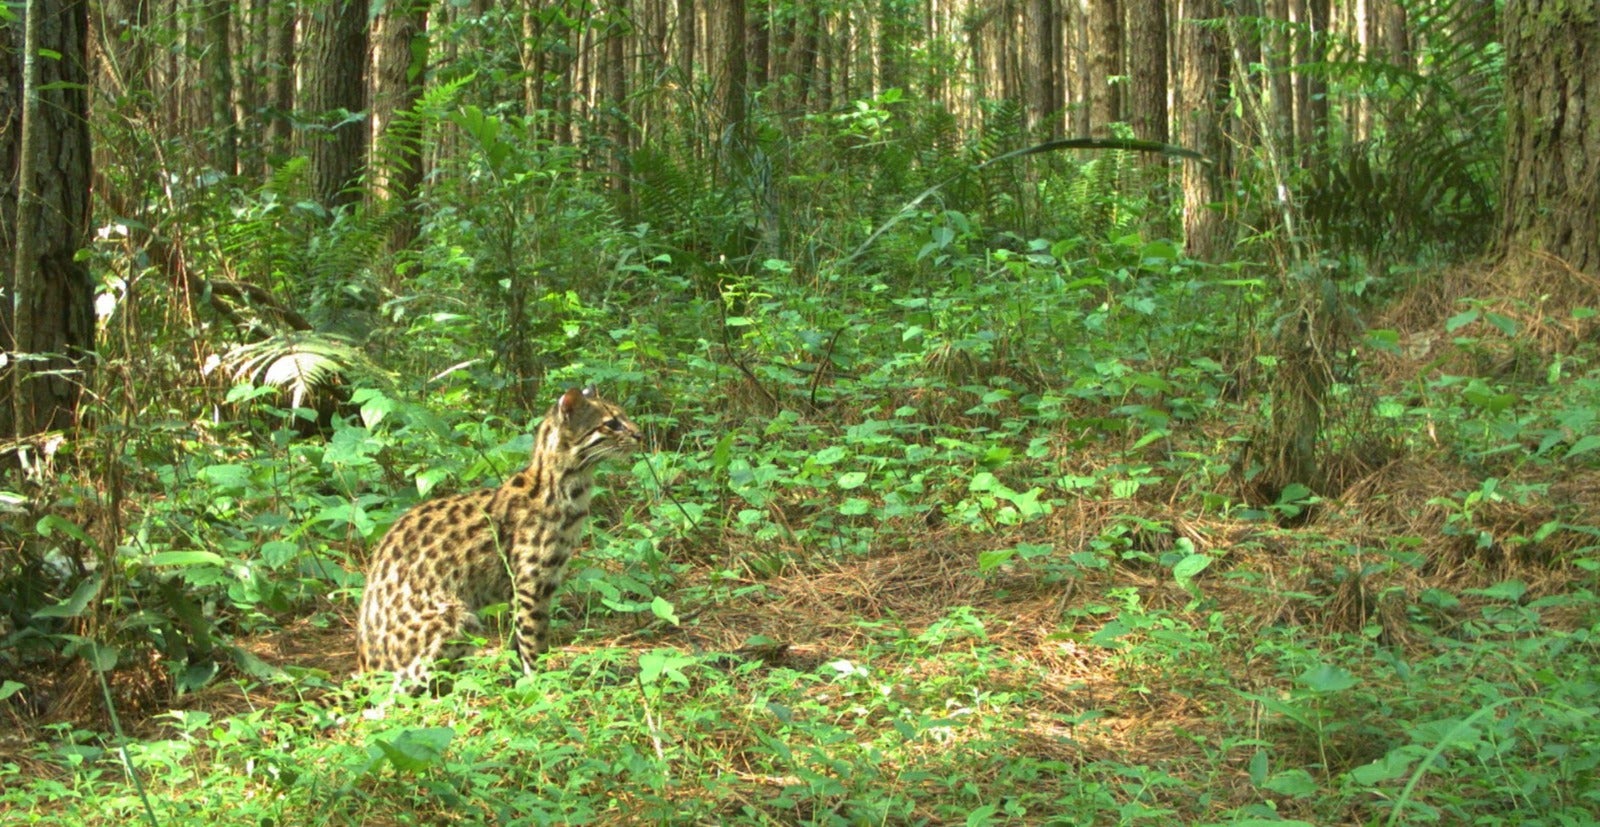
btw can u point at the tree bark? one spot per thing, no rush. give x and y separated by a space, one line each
1550 197
399 56
1044 101
686 42
732 83
219 85
1279 87
1147 71
615 109
1315 122
280 73
336 95
1105 89
48 310
1205 96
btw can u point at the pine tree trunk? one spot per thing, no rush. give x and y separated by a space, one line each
219 85
1147 71
336 91
731 86
1204 104
396 167
47 309
1105 92
615 87
280 79
1044 104
1550 198
1280 80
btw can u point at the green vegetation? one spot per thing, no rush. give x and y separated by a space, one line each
986 525
974 523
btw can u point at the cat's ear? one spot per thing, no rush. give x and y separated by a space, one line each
570 400
589 392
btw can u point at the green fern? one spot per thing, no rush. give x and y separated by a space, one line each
1429 176
300 364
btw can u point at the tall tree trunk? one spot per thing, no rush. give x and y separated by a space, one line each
280 79
1082 83
1364 24
1044 103
48 306
1205 96
1147 70
1280 79
336 94
1551 192
686 42
399 56
732 89
759 36
1105 89
218 59
250 104
1320 16
615 109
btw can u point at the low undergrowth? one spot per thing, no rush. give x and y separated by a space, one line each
979 543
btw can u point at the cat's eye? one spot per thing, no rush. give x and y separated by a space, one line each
613 424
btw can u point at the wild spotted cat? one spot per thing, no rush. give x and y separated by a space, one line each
448 558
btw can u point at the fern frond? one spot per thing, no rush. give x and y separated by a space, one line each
296 363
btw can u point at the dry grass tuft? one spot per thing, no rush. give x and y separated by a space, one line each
1536 291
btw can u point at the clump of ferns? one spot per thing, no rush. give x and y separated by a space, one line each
311 370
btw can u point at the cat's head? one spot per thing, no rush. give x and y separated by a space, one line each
592 429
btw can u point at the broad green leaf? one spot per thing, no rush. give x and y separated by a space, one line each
254 666
277 553
1387 341
829 455
1505 324
984 481
723 453
1391 766
1584 446
74 605
1295 783
426 480
1258 767
1029 551
1190 566
1328 678
416 749
989 560
9 688
1294 492
1508 590
1460 320
226 476
663 609
852 479
49 524
102 657
375 408
186 558
855 507
652 665
983 815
